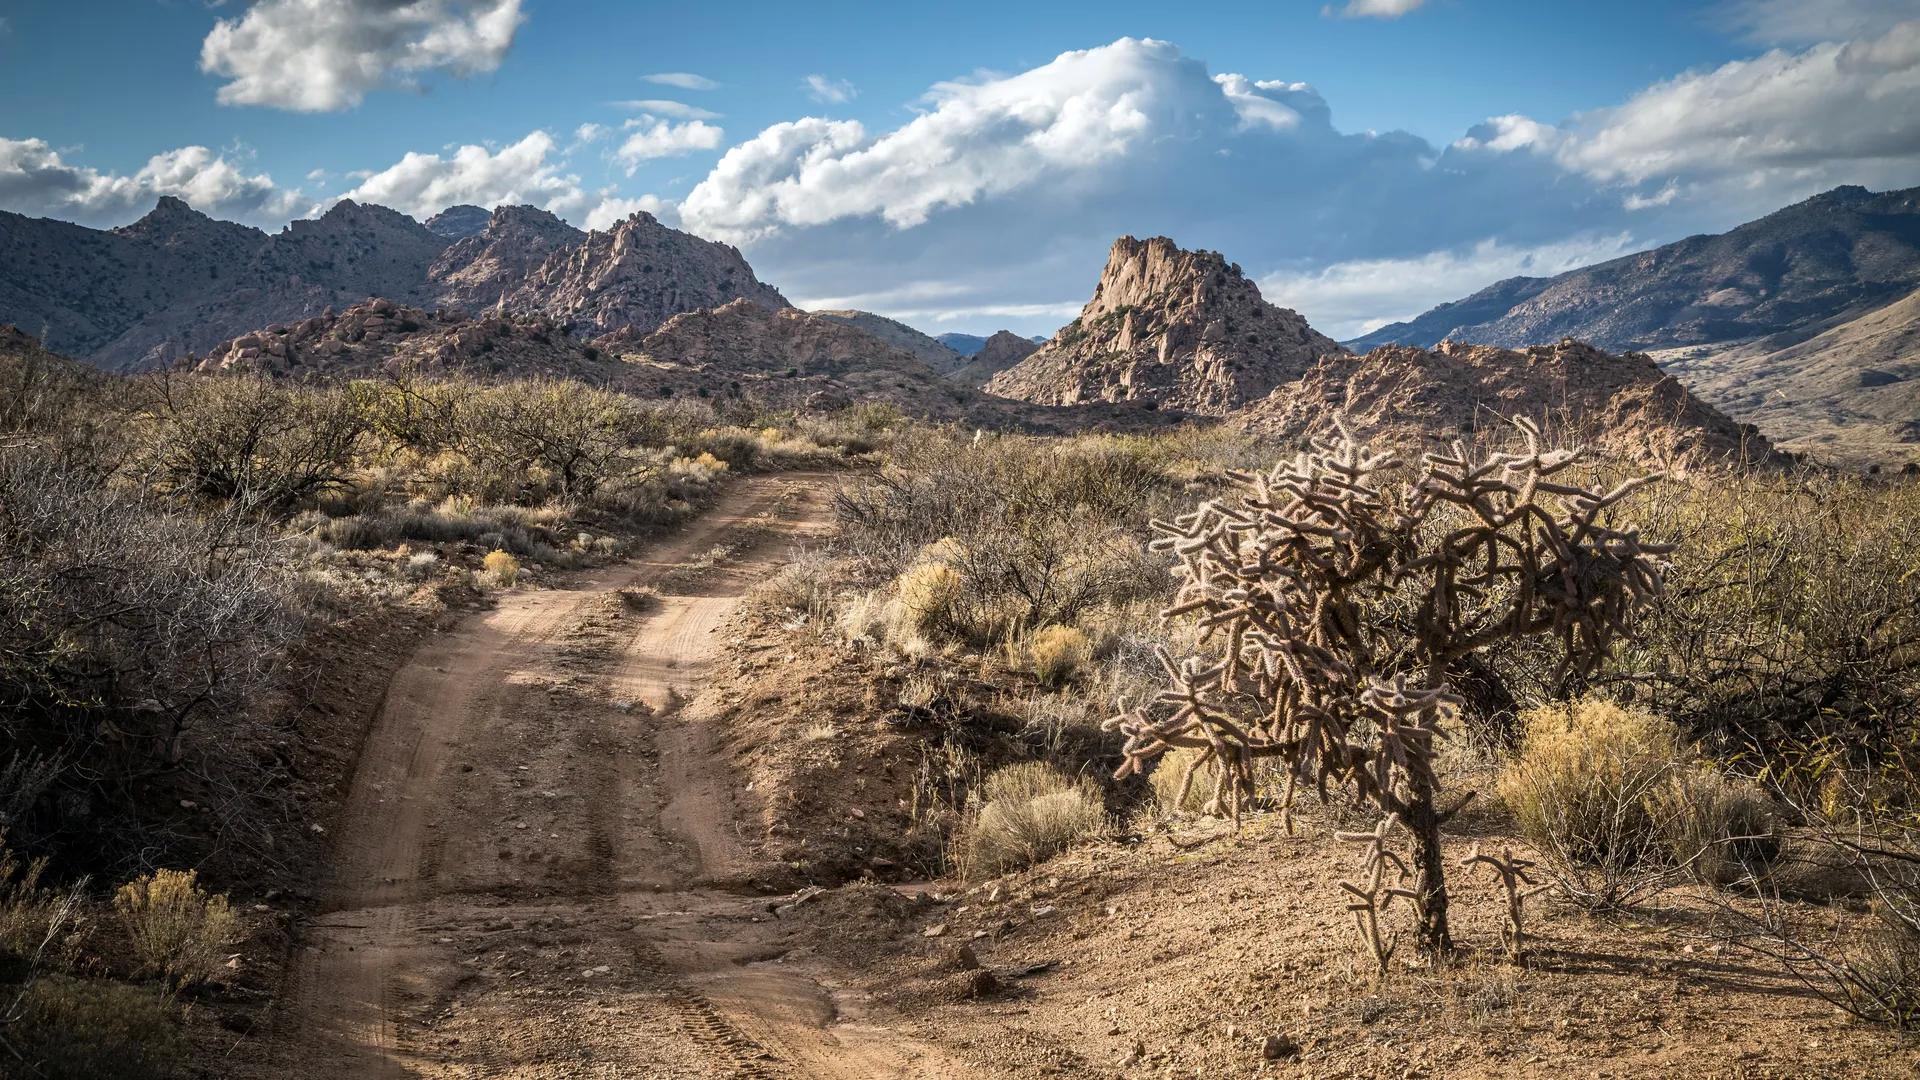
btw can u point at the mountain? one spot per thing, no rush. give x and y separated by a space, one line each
178 283
459 222
929 351
351 252
1846 250
995 355
1846 390
1622 404
477 271
1171 328
638 274
379 337
964 344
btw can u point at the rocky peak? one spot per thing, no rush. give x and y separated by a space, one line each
174 225
1169 327
459 222
639 273
477 271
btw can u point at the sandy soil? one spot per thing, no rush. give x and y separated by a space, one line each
536 874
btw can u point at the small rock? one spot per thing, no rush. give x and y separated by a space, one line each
936 930
1279 1048
982 983
1133 1055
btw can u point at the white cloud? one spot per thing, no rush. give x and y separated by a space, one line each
526 171
685 80
1081 112
1257 109
323 55
1373 9
1348 299
613 210
1832 104
1505 134
588 133
1801 22
656 138
829 91
35 179
663 107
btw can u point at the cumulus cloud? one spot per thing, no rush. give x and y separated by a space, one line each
1351 298
1829 107
1356 228
612 210
36 179
525 172
1372 9
1798 22
653 138
663 107
684 80
323 55
829 91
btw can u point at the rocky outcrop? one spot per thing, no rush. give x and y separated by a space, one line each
927 350
1175 329
1622 404
477 272
380 337
459 222
1807 263
998 353
638 274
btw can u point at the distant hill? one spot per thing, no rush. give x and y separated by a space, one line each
1846 250
1846 390
930 351
178 283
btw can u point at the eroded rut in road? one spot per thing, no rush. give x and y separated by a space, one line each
538 875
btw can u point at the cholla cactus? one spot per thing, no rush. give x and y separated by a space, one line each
1342 604
1512 870
1375 894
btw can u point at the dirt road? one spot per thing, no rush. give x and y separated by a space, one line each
538 874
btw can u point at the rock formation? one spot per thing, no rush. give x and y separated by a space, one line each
476 272
379 337
1176 329
459 222
1623 404
638 274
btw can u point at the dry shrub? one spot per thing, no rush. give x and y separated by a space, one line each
1026 813
504 568
1724 830
927 593
39 927
177 929
1611 797
1058 653
73 1029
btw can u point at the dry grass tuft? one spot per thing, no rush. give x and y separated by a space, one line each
177 929
502 567
1058 653
1027 812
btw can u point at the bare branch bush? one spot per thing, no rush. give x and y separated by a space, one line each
1343 604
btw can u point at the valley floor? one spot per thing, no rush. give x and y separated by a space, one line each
551 865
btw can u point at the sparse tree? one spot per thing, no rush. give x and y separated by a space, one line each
1342 605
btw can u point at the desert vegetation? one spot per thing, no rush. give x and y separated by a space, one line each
1674 695
170 545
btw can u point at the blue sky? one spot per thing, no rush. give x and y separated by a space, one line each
966 171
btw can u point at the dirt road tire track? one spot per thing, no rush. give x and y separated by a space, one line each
522 880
